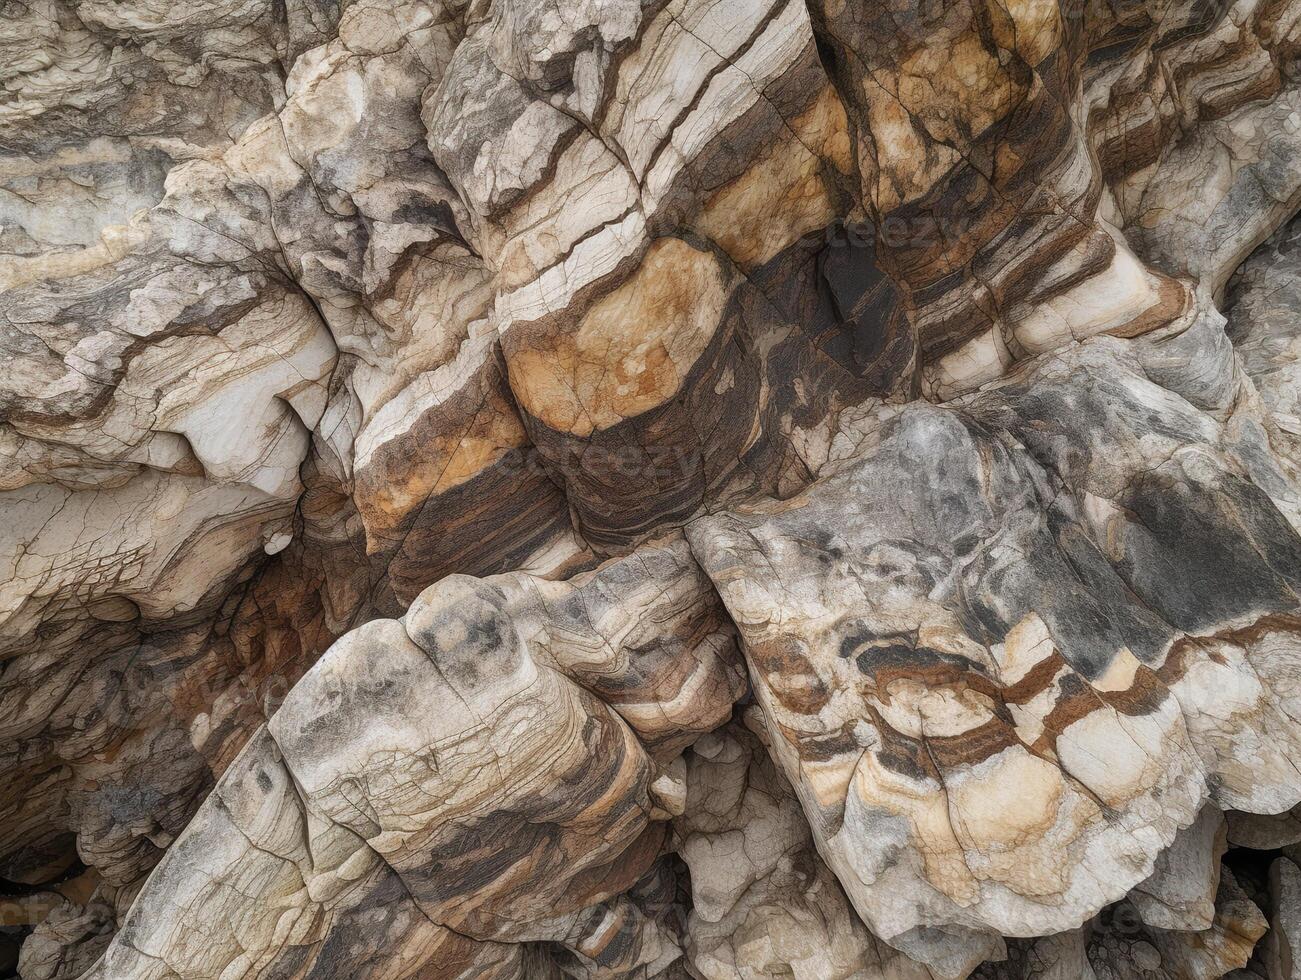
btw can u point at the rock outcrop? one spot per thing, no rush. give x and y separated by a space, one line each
650 490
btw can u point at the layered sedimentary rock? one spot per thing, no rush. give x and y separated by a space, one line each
649 490
952 677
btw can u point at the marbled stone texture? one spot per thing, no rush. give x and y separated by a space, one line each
619 490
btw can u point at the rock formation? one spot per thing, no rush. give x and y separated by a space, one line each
650 490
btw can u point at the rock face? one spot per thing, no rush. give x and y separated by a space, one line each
650 490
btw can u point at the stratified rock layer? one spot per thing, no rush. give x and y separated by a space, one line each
649 490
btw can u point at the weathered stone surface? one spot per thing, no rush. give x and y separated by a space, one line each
1062 956
1118 945
1179 895
940 675
1282 949
1122 948
428 772
1264 832
763 902
422 422
67 942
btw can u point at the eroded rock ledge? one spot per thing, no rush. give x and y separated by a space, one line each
650 490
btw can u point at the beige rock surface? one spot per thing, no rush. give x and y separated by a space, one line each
647 490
